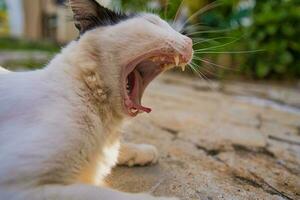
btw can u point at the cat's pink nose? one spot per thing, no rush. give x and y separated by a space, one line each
188 50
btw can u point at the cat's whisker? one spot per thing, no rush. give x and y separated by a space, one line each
210 31
196 69
202 76
193 28
219 46
198 38
201 11
212 39
177 12
202 39
226 52
166 6
207 70
213 64
198 26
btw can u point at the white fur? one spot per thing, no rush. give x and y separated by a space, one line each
59 126
2 70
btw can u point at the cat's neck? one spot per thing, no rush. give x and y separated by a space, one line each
76 60
80 66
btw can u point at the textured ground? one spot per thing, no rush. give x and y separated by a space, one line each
217 141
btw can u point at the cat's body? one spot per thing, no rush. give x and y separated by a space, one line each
59 126
57 135
54 136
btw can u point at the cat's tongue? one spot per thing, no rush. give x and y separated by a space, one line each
134 103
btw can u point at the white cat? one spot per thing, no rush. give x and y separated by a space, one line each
59 126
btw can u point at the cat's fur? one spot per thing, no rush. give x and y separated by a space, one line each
59 126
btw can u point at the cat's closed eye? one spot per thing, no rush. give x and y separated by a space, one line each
153 21
157 21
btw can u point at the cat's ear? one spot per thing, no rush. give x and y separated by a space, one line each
85 13
89 14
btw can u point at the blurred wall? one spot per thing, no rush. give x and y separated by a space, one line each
66 30
42 19
15 17
32 19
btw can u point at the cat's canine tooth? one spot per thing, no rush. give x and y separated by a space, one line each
154 59
176 59
133 110
182 67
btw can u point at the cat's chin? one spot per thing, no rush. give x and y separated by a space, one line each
138 73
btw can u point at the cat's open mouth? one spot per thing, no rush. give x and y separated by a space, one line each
140 72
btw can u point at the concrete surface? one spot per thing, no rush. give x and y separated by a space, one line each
217 141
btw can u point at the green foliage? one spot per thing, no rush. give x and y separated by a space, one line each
165 8
13 44
276 30
273 27
8 43
28 64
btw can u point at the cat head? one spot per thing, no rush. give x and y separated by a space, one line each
131 50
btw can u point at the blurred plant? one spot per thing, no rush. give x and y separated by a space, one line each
9 43
236 27
276 29
47 49
4 28
27 64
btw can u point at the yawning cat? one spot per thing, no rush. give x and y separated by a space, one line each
59 126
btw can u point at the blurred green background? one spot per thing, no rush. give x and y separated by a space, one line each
234 39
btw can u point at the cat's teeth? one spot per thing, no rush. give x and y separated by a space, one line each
133 110
154 59
182 67
176 59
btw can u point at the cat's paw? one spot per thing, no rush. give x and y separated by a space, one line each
138 154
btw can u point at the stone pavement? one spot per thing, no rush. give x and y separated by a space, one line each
6 56
217 141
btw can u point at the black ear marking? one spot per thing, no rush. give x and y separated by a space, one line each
89 14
